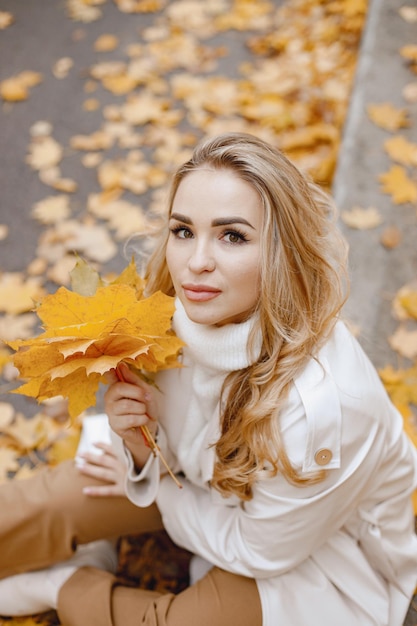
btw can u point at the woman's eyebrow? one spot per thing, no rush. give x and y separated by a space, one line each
225 221
220 221
180 218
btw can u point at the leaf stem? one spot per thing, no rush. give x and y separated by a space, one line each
157 452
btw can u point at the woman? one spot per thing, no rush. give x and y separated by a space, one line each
296 474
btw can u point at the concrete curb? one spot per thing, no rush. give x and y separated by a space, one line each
376 273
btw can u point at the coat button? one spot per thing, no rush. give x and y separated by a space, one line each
323 456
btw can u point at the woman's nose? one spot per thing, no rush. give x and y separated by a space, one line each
201 259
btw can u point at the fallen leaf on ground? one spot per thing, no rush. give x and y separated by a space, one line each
17 87
106 43
17 294
44 152
6 19
404 342
62 67
52 209
401 150
362 219
397 183
391 237
387 116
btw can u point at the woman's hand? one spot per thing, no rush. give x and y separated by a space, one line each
129 405
105 466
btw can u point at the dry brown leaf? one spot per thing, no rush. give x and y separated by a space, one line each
4 231
91 159
397 183
404 304
65 447
7 413
62 67
246 16
362 219
102 70
44 153
404 342
37 267
90 240
27 434
41 128
5 358
144 108
98 140
391 237
401 150
18 295
91 104
409 52
52 177
60 272
52 209
140 6
106 43
17 87
409 93
122 216
387 116
6 19
17 326
408 13
84 10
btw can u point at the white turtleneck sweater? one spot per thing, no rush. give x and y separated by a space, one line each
340 552
189 405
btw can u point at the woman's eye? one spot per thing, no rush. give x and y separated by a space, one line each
234 237
181 232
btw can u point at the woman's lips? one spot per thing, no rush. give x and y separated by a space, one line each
200 293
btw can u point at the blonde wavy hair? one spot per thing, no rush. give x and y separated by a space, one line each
303 287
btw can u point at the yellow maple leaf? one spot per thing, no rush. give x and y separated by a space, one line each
18 295
408 300
362 219
387 116
401 150
409 52
27 434
17 87
87 336
396 183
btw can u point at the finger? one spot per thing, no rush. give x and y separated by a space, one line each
104 491
124 373
98 472
111 377
98 460
106 447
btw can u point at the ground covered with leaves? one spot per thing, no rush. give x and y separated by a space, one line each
146 101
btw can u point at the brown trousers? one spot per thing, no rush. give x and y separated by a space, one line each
44 518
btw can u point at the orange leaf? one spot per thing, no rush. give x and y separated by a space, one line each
87 336
396 183
387 116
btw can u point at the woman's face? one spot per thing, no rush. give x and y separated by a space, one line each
213 250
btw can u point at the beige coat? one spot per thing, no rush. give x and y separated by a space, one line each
340 552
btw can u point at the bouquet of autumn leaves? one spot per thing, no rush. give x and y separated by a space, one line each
89 331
